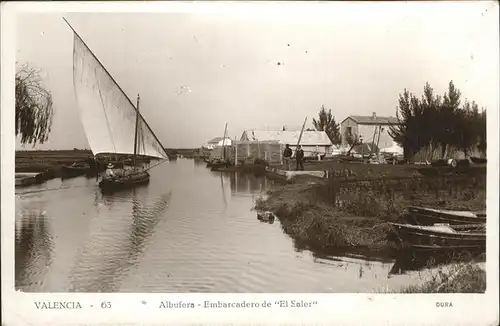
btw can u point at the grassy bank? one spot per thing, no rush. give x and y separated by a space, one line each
351 215
38 161
459 278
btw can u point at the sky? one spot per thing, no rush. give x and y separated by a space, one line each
195 71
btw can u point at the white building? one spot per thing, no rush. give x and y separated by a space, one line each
369 129
218 142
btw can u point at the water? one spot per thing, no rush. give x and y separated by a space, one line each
189 230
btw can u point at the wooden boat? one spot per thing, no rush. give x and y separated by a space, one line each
112 123
219 165
478 160
124 182
441 236
75 170
26 179
430 216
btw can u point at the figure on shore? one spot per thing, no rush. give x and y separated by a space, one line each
287 155
299 157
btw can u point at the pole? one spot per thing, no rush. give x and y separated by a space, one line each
136 131
300 136
224 143
373 139
378 138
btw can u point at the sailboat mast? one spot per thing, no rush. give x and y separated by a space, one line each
224 143
136 131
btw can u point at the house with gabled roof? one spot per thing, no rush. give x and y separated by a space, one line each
369 129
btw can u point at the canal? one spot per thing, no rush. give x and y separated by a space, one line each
189 230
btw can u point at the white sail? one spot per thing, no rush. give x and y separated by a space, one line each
107 115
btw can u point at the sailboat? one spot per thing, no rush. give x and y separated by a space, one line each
112 123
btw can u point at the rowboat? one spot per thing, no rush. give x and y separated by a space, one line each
430 216
441 236
111 122
75 170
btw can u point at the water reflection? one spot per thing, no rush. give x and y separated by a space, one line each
33 250
112 259
189 230
248 184
223 192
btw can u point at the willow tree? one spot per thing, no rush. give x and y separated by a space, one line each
34 109
326 122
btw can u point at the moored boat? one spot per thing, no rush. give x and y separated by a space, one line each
25 179
430 216
112 123
75 170
441 237
478 160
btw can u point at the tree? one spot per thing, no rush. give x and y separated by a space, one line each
351 139
466 124
449 115
34 109
481 127
406 133
428 120
326 122
434 121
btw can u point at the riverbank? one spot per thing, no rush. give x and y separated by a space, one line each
40 161
459 278
351 215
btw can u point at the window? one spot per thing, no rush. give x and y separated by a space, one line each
349 131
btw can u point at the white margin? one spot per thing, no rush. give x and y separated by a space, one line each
18 308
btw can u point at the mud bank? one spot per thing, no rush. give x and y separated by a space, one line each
351 215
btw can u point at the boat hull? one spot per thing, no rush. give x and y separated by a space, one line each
72 172
119 183
426 216
425 238
478 160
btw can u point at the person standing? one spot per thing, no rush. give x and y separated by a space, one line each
287 155
299 156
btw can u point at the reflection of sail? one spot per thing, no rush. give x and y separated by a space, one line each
114 263
145 220
32 251
107 114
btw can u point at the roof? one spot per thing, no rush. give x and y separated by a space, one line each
370 120
311 138
217 139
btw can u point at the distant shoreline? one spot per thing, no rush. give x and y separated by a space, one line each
89 151
42 160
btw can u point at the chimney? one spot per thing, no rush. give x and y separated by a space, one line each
374 115
284 128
